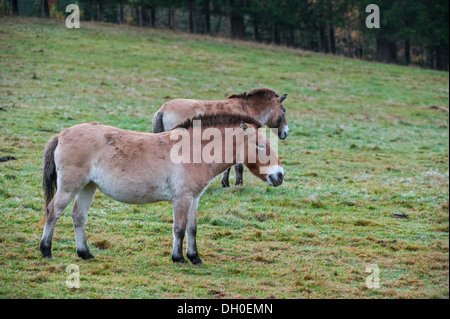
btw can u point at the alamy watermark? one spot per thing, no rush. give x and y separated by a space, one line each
373 280
373 19
73 19
73 279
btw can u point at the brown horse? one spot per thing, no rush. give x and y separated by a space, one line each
139 168
263 105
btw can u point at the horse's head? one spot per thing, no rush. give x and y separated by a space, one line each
277 119
261 159
268 108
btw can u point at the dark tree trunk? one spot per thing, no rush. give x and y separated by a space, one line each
141 21
429 56
145 21
120 13
275 34
444 56
386 50
218 24
45 11
171 18
191 15
237 27
152 17
331 39
359 52
330 27
237 21
256 31
437 50
323 39
91 9
349 43
101 12
292 37
312 45
407 49
15 7
206 12
319 43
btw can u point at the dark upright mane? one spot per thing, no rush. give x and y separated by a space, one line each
257 94
220 120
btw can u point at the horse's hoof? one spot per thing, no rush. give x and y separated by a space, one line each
48 256
179 260
85 255
196 260
46 250
46 253
225 184
239 183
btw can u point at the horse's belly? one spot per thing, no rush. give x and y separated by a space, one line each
133 190
132 195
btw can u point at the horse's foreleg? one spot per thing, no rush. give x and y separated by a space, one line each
181 208
226 178
79 214
191 232
54 211
239 169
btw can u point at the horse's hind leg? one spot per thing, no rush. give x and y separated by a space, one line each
239 169
181 207
79 214
226 178
191 232
54 211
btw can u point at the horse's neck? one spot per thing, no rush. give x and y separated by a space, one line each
218 168
214 168
258 111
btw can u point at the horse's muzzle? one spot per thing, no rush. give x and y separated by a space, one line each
284 133
276 179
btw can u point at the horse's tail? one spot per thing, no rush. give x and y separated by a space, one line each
49 175
158 125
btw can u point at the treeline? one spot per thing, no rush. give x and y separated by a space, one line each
411 31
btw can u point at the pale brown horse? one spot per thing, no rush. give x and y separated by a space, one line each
138 168
263 105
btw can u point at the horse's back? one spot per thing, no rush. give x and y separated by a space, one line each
103 140
176 111
179 110
127 166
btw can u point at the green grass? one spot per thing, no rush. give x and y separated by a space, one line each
364 145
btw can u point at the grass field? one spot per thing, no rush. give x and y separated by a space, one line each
368 143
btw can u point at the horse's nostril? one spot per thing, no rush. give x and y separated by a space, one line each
280 176
283 135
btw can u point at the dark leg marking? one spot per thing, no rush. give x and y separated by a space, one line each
225 178
195 259
46 249
239 168
85 254
179 259
177 254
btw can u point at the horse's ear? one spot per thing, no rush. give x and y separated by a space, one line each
244 126
283 98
